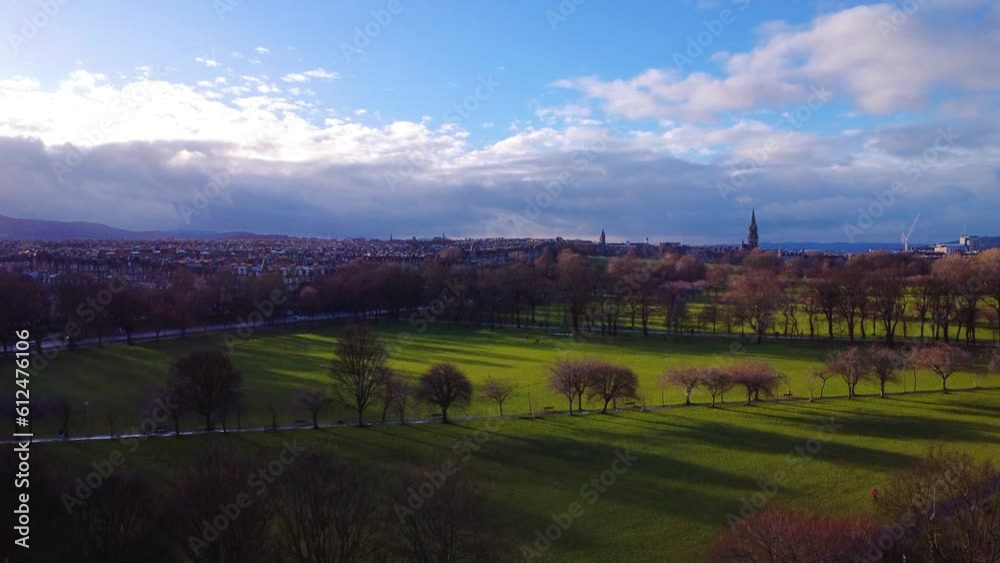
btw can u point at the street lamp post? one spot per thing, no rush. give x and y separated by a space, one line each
86 405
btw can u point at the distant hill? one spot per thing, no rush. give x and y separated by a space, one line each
988 242
37 229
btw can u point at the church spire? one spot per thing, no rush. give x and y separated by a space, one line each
603 239
753 238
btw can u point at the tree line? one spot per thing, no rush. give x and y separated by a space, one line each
881 296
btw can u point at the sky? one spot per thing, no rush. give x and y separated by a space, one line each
666 120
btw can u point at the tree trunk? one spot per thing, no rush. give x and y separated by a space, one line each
444 416
605 409
316 420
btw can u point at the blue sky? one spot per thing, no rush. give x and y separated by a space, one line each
838 121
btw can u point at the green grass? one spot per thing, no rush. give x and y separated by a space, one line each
695 466
119 378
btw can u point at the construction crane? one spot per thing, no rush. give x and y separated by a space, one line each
906 236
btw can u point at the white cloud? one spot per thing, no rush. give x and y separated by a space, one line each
263 50
881 70
306 76
211 63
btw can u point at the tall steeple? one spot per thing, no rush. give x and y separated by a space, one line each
603 238
753 238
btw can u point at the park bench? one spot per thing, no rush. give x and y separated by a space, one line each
548 410
300 422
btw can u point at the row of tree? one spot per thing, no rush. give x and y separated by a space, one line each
889 295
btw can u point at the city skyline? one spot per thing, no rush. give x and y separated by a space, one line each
837 123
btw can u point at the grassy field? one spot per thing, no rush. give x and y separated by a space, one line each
695 464
120 379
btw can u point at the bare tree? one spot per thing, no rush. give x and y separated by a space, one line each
445 385
358 367
168 401
610 382
575 282
822 375
885 363
942 359
219 479
755 296
313 401
757 378
776 534
851 365
560 380
570 379
454 524
207 380
686 378
120 523
717 382
401 398
950 502
389 386
324 511
498 390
